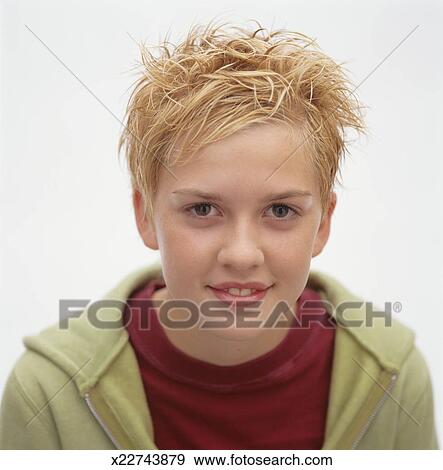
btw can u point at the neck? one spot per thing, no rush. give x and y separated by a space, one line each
226 347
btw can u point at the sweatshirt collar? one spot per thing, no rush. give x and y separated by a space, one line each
85 352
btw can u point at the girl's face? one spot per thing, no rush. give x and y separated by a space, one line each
225 218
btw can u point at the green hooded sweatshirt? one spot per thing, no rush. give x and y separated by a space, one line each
80 387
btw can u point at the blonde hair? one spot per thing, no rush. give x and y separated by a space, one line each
220 80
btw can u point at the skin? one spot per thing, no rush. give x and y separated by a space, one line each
245 237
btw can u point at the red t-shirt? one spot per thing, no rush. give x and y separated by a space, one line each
278 400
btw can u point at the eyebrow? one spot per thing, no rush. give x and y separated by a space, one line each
218 197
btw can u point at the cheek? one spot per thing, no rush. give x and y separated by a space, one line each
293 248
290 260
288 248
184 247
191 239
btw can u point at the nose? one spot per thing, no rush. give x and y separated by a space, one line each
241 249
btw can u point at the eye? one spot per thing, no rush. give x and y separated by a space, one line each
202 210
281 212
200 214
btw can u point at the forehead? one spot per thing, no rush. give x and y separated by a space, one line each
261 159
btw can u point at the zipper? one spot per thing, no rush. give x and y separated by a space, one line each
374 413
100 421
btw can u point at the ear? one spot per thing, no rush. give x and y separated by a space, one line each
145 226
325 226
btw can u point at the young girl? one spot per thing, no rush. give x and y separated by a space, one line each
233 140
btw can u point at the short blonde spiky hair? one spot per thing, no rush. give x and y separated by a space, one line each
220 80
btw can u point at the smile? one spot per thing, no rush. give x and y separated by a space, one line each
242 296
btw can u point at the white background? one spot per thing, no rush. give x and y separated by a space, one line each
67 227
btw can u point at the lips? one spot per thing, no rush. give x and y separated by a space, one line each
240 285
243 300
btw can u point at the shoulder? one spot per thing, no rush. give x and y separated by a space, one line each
25 418
414 377
416 424
373 327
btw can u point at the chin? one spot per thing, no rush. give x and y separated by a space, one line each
236 334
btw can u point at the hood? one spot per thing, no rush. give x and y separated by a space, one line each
85 352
